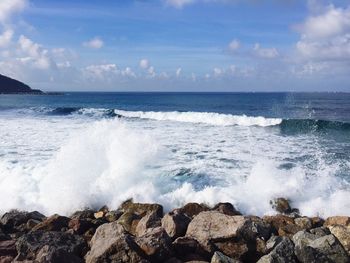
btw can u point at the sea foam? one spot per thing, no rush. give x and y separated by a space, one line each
109 161
202 117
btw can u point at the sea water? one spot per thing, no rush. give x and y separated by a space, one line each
61 153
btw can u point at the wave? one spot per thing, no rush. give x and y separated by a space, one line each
117 162
310 125
210 118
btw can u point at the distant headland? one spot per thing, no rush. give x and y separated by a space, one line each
12 86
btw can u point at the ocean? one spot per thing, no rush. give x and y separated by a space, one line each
61 153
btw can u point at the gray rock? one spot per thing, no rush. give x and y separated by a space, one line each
227 209
14 219
175 223
283 252
111 243
53 223
42 246
151 220
313 248
213 225
156 244
342 233
218 257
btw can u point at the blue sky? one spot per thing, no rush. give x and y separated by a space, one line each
177 45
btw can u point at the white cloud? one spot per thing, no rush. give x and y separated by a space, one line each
234 45
35 53
144 63
218 72
151 71
95 43
100 71
178 72
128 72
9 7
265 52
326 35
5 38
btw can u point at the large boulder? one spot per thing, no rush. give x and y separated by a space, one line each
283 225
50 246
188 248
193 209
129 221
140 209
8 248
175 223
151 220
282 252
213 225
281 205
83 214
310 248
53 223
226 208
156 244
342 233
337 220
111 243
80 226
12 220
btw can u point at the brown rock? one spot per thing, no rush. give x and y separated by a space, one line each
83 214
156 244
80 226
233 249
342 233
193 209
226 208
187 248
6 259
140 209
175 223
53 223
212 225
151 220
303 222
281 205
129 221
112 216
337 220
111 243
99 214
283 225
218 257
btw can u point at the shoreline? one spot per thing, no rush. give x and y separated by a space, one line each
137 232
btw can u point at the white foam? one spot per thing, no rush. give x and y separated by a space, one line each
105 162
202 117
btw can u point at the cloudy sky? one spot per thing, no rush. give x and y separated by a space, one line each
177 45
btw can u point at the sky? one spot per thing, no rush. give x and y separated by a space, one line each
177 45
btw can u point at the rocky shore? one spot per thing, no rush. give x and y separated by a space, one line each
193 233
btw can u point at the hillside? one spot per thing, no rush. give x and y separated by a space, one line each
12 86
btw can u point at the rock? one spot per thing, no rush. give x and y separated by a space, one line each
255 227
317 221
80 226
99 214
226 208
235 249
50 246
187 248
320 231
129 221
218 257
53 223
283 252
4 236
283 225
112 216
6 259
8 248
32 223
14 219
84 214
151 220
193 209
312 248
141 209
156 244
281 205
111 243
175 223
337 220
303 223
342 233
